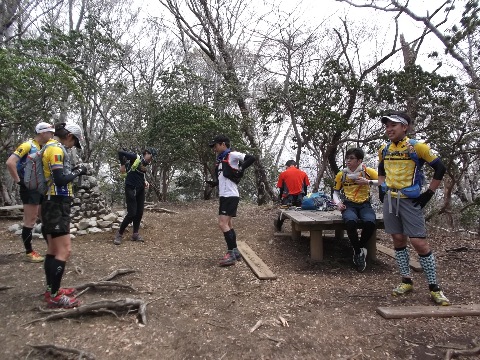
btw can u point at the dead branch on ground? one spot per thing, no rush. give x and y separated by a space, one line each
102 306
452 353
462 248
58 350
278 341
15 253
105 281
104 284
117 273
159 210
4 287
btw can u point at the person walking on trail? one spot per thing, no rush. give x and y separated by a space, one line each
31 199
134 167
400 185
352 184
293 184
56 212
229 168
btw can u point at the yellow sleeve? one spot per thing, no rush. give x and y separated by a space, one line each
52 159
23 149
425 152
338 181
372 173
380 153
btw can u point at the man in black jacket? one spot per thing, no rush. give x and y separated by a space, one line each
134 167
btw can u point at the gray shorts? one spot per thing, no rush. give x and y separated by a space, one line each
410 220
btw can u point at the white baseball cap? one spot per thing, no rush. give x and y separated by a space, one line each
76 131
44 127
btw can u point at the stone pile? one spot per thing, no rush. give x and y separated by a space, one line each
90 212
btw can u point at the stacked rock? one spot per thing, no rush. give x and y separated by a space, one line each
90 212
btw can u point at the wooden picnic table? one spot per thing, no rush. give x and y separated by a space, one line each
316 221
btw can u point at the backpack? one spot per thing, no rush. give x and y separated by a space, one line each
419 177
314 201
132 167
229 172
34 178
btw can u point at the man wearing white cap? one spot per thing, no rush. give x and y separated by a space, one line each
400 180
56 212
31 199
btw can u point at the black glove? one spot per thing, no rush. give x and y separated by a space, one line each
20 182
212 183
424 198
79 170
239 173
381 193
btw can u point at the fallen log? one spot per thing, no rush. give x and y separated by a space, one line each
400 312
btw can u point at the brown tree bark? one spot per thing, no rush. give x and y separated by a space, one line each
212 42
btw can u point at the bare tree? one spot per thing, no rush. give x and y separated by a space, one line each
215 31
453 44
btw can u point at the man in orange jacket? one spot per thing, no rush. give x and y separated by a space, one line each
293 184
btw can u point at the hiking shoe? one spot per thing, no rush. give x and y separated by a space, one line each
63 301
237 254
34 257
402 289
118 239
137 237
62 291
361 260
228 259
438 298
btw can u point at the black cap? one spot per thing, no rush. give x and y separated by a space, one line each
152 151
218 140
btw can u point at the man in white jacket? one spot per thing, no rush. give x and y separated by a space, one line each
229 169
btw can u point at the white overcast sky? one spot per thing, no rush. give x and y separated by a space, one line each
329 13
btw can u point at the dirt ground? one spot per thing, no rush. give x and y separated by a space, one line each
197 310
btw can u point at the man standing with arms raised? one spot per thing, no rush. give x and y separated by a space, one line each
229 169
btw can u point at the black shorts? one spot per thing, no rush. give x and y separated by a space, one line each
56 214
30 197
228 206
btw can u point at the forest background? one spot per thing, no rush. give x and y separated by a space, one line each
303 80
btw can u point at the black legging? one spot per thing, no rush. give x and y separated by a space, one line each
135 199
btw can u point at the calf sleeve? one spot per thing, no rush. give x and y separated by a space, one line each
230 239
402 255
429 268
27 239
57 269
48 266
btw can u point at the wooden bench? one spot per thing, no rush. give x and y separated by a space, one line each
12 211
317 221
